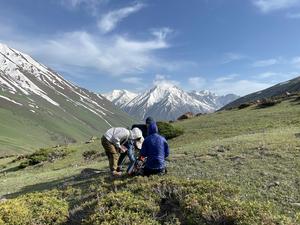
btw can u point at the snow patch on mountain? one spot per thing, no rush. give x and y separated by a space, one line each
166 101
10 100
21 75
120 97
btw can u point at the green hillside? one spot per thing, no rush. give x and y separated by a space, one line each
278 90
22 130
231 167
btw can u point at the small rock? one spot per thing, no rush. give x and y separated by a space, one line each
274 184
296 204
3 199
297 135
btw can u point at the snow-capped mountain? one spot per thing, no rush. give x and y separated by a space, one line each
212 99
120 97
33 96
167 102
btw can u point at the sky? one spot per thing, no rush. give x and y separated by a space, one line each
225 46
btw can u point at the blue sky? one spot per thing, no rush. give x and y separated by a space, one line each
226 46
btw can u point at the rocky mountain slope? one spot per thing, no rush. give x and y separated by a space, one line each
167 102
38 107
283 88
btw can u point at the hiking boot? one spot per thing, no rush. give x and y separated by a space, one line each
116 173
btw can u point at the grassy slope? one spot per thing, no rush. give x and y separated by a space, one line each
22 131
256 149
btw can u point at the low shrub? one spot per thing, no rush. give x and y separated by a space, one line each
36 208
90 154
267 103
244 105
168 130
176 201
43 155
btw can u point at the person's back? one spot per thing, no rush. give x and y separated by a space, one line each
156 149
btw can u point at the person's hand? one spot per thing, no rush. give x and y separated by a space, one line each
123 149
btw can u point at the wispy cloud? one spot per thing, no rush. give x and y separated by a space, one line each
265 63
165 80
267 6
276 77
266 75
197 82
113 55
293 15
132 80
239 87
227 78
231 57
296 62
109 21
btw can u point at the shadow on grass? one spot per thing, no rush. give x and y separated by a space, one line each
86 176
10 170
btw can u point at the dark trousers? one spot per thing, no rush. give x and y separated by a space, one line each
148 172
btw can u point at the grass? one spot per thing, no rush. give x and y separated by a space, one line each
22 131
255 151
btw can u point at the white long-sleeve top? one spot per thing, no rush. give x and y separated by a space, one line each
117 136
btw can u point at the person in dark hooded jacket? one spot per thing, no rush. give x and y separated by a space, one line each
156 149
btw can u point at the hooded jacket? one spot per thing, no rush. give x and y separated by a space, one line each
155 148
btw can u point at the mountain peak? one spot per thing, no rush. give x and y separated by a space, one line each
166 101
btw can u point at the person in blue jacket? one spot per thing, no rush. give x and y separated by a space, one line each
156 149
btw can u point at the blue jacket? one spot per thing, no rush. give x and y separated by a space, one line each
155 148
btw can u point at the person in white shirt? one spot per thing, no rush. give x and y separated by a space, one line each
112 142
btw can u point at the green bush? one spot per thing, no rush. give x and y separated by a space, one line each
168 130
43 155
244 105
37 208
267 103
90 154
176 201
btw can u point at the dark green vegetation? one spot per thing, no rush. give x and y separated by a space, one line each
282 89
232 167
168 130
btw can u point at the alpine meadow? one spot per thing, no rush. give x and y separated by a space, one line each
149 112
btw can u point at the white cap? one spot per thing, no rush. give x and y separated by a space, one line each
136 133
139 143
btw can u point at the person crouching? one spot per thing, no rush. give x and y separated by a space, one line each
155 148
112 142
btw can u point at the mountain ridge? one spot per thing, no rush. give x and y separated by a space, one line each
34 96
166 101
282 88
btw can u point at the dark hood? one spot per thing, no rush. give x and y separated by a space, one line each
152 128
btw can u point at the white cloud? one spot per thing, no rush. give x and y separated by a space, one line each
293 15
227 78
265 63
197 82
109 21
113 55
276 76
231 57
239 87
165 80
296 62
267 75
132 80
273 5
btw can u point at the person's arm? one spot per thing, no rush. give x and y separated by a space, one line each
167 151
143 151
130 151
